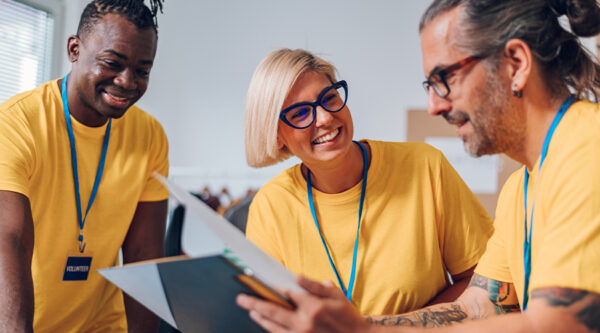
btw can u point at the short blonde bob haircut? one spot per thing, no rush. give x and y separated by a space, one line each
272 80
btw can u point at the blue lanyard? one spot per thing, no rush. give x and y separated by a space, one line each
527 237
348 291
80 219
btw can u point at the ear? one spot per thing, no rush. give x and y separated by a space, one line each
520 62
73 45
280 143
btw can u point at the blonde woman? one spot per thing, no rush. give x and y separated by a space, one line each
386 221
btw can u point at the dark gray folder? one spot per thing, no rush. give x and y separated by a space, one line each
201 294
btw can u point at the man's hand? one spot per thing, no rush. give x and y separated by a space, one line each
323 309
326 309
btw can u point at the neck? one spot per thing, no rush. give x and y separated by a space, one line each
78 109
339 176
540 112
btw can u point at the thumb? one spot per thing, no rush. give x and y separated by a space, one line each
326 289
329 284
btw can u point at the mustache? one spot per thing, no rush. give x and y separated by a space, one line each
458 117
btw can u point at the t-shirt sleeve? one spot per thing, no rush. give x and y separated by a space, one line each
494 263
567 252
464 225
159 162
16 154
260 226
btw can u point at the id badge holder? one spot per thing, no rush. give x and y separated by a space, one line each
78 266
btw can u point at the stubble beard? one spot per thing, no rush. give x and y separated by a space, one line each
496 129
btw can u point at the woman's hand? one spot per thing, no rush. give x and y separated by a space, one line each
323 309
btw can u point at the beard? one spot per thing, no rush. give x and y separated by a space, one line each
497 127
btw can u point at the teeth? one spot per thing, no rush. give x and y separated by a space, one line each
327 137
117 97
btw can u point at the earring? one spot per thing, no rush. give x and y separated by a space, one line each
517 93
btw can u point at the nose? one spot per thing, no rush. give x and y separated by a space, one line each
126 79
324 117
437 105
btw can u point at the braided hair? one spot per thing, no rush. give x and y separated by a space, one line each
135 11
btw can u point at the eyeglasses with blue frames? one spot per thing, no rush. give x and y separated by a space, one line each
438 79
302 115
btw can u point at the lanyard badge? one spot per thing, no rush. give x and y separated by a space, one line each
527 237
347 291
77 267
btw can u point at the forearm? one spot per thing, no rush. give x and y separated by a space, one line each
144 241
139 319
507 323
483 298
432 316
16 251
16 300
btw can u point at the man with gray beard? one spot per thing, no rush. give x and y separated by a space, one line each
512 81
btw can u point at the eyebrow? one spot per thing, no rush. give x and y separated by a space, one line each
435 70
124 57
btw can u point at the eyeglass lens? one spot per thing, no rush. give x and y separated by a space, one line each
438 84
332 100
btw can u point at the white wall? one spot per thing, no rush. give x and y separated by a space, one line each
208 50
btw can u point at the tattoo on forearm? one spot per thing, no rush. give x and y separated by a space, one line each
479 281
439 316
559 296
590 316
402 320
585 305
501 294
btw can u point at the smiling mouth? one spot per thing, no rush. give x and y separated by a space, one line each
327 137
116 100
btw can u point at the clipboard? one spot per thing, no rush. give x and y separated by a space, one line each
196 293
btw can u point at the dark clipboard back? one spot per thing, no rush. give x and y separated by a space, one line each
201 294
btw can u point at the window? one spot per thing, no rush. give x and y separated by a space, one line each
25 47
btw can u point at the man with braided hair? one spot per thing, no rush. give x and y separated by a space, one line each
76 184
514 81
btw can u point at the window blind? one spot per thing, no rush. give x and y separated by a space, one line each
25 47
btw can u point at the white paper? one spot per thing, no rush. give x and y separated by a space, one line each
197 239
480 174
142 282
262 265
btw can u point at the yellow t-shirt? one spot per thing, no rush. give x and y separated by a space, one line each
36 161
419 220
566 225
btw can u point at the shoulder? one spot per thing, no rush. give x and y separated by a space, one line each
581 123
574 152
404 148
514 181
282 187
406 153
286 181
25 112
510 193
31 103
